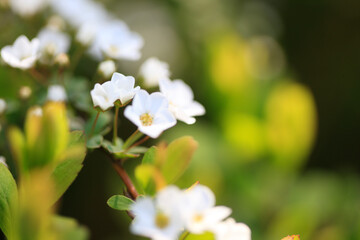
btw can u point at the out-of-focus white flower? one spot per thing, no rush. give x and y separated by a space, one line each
52 43
199 211
22 54
56 23
158 218
150 113
26 8
56 93
181 100
79 12
2 106
114 40
231 230
124 87
107 68
3 161
152 70
87 32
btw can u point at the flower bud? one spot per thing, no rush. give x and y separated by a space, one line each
2 106
62 60
56 93
25 92
3 161
106 68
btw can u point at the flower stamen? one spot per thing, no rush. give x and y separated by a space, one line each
146 119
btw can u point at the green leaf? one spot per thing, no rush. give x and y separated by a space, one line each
68 229
120 202
149 157
8 202
95 142
69 165
178 157
101 124
77 89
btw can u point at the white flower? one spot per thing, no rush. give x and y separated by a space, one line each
119 88
104 95
150 113
22 54
124 87
152 70
114 40
26 8
199 211
87 33
3 161
181 100
52 43
56 93
158 218
231 230
107 68
2 106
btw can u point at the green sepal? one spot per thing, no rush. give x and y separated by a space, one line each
95 142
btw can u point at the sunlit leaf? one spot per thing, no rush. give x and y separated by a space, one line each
292 237
149 156
178 156
18 147
120 202
68 228
69 165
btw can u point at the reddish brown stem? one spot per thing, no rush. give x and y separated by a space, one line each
123 175
138 143
126 179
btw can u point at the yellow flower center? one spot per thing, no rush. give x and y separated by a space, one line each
161 220
146 119
198 218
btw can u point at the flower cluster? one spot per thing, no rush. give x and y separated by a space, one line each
151 113
193 210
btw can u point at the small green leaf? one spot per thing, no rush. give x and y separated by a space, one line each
124 154
120 202
178 157
95 142
8 202
149 157
117 148
138 149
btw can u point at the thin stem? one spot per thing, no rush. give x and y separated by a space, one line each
138 143
123 175
133 138
115 128
94 124
37 76
185 235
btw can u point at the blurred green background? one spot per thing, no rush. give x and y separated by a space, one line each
279 142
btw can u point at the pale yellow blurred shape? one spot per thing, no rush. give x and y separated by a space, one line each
36 194
245 133
263 57
227 66
291 123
